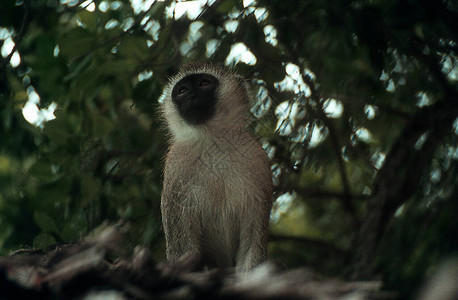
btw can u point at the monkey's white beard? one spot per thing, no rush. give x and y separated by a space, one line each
183 132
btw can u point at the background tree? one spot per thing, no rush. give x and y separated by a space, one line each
356 106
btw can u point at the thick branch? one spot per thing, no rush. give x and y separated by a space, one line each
400 175
346 200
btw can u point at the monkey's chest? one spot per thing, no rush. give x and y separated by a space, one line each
212 179
214 183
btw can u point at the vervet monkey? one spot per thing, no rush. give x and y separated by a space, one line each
217 191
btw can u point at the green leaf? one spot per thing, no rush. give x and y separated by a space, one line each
58 130
116 67
42 170
227 6
45 222
43 240
90 19
78 67
76 225
90 187
102 126
76 42
134 47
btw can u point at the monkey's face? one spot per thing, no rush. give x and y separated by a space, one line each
203 101
195 97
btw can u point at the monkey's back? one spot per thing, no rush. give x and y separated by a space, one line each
220 206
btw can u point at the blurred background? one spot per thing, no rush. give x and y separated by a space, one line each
355 103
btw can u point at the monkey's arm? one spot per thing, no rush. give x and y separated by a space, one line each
255 216
182 232
253 239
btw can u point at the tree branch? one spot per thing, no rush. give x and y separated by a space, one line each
399 177
346 200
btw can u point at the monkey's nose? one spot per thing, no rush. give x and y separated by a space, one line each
185 98
192 98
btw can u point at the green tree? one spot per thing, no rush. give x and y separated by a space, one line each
356 106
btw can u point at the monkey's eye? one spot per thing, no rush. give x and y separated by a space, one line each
204 82
182 90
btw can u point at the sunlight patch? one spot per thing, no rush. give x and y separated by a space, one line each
364 135
240 53
88 5
281 206
270 33
33 114
333 108
293 81
190 9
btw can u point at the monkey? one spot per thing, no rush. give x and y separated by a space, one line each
217 182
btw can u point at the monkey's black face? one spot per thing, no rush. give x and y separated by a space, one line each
195 97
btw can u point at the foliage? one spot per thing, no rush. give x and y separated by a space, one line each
356 106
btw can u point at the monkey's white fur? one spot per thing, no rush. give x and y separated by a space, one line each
217 190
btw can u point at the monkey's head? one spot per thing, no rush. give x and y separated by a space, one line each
204 99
